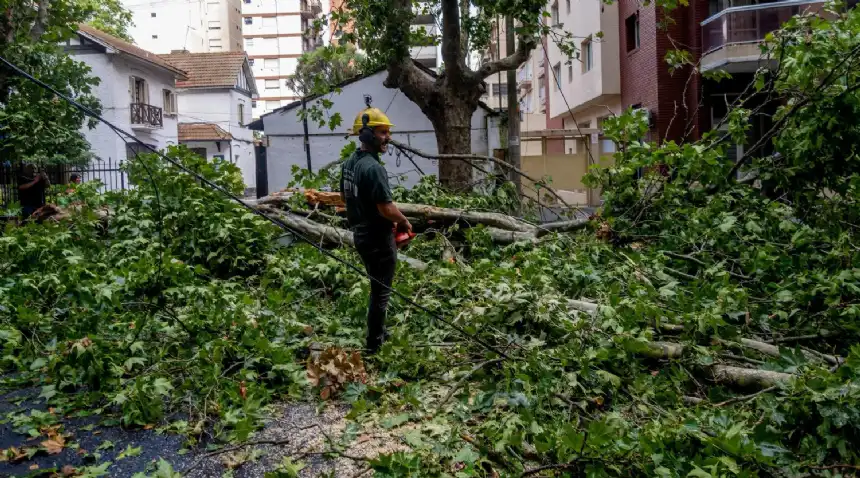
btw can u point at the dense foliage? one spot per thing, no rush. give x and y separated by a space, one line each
35 126
723 341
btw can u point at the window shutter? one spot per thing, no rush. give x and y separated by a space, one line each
131 88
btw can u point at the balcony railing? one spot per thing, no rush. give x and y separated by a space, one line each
310 8
146 115
750 24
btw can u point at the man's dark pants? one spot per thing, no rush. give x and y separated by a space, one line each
379 255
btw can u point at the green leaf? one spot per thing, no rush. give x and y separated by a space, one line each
129 452
395 421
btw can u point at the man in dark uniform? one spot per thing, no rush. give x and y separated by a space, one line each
373 216
31 190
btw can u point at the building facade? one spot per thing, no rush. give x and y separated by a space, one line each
496 96
585 90
198 26
137 92
214 104
276 33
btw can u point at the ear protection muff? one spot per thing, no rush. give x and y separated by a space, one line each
365 134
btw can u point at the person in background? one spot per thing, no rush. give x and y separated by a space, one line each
31 190
75 179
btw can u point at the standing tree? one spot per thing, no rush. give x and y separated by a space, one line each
383 29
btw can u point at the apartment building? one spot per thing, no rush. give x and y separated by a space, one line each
496 96
531 91
721 35
584 90
428 54
197 26
276 34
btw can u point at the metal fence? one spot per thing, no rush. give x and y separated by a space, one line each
109 172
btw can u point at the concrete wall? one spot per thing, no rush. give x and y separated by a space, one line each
285 133
566 171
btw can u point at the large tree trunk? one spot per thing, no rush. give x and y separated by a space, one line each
452 121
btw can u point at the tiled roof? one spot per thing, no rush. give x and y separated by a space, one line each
202 132
127 48
208 70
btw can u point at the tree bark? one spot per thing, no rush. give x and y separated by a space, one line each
452 122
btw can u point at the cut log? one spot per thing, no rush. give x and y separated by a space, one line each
492 219
328 235
324 198
655 350
748 377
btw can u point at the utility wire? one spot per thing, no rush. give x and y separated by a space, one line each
563 97
277 222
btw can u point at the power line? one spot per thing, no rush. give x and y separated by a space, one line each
277 222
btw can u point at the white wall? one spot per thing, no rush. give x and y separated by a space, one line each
584 88
237 152
285 133
113 92
221 107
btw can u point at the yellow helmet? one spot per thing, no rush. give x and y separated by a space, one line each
375 117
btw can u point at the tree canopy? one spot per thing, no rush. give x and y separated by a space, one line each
36 126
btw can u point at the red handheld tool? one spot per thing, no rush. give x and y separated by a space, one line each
403 238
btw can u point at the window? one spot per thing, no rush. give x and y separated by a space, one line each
241 114
247 1
556 75
254 104
218 156
139 90
587 55
251 61
215 42
270 63
500 89
249 42
554 14
272 84
155 37
199 152
214 25
631 28
152 14
570 73
568 7
169 102
249 20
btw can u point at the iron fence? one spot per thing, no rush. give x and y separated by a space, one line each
110 172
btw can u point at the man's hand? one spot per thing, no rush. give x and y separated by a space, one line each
389 211
404 226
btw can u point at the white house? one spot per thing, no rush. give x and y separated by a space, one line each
215 102
284 132
137 92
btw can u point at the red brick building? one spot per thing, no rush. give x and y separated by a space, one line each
671 99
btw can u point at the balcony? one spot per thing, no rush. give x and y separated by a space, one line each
310 8
731 38
145 116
